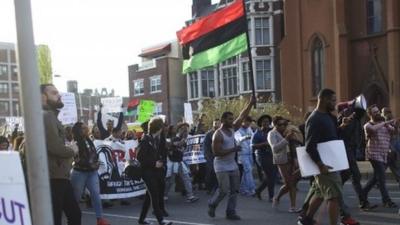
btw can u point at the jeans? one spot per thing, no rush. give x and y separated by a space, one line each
228 182
184 175
264 160
247 184
379 177
354 173
211 178
90 180
63 200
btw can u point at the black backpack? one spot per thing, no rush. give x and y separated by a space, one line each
133 170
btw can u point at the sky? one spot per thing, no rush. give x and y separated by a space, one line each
94 41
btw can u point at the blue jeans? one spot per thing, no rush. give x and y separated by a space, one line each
379 177
247 184
228 183
90 180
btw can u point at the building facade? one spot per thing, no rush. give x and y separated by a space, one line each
9 87
352 47
230 79
159 78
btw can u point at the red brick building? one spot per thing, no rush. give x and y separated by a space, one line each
352 47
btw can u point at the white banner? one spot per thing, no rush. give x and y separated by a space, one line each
111 104
69 113
188 113
13 121
14 207
332 153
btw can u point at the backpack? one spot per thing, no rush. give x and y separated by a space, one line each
132 170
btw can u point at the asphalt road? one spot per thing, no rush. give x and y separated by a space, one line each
252 210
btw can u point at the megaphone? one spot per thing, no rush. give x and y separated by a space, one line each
358 103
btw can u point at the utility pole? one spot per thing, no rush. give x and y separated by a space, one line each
36 154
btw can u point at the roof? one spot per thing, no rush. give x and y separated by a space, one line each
156 51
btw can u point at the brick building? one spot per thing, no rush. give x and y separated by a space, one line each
352 47
159 78
230 79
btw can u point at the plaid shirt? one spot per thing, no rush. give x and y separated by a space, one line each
378 142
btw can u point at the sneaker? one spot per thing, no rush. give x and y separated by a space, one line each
102 221
366 206
389 204
258 195
165 223
349 221
233 217
294 210
192 199
275 203
305 221
211 211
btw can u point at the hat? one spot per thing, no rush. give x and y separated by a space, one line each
261 118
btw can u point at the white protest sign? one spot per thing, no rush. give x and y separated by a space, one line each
188 113
69 113
194 153
13 121
332 153
14 207
112 104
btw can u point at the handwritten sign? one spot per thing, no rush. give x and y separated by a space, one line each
145 110
69 113
112 104
14 205
194 153
12 122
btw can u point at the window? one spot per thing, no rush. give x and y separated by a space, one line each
158 108
155 84
3 71
3 88
15 88
207 83
246 85
374 16
16 109
4 108
194 85
263 74
14 71
3 56
138 86
229 76
249 27
261 28
317 60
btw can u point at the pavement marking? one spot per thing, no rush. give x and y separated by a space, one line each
150 219
393 198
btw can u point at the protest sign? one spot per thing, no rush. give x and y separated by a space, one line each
69 113
188 113
145 110
194 153
332 153
13 121
111 104
113 183
14 205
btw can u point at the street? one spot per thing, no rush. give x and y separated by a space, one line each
252 210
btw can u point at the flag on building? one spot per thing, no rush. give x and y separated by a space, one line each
214 38
132 107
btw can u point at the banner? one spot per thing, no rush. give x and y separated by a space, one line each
332 153
188 113
14 207
145 110
13 121
194 153
113 183
69 113
111 104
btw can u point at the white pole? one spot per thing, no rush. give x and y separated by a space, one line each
36 155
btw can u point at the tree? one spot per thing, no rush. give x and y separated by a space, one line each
44 64
213 108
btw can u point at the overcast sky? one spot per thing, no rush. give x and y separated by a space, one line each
94 41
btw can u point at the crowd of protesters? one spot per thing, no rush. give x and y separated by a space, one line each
233 149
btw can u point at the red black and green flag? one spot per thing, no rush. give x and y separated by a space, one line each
132 106
214 38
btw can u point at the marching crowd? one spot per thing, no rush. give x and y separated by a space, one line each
233 149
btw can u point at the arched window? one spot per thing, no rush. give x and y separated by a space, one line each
318 65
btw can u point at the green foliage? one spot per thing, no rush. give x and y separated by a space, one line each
213 108
44 64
